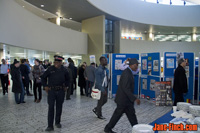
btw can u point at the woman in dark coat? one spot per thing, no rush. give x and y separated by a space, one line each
17 87
81 79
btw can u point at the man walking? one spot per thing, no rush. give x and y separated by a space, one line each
180 82
101 78
125 98
4 76
89 75
56 82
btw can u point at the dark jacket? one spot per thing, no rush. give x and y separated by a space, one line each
81 78
55 77
25 72
90 73
17 80
180 81
70 75
124 95
71 66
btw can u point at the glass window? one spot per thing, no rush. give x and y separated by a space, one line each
152 1
187 38
165 38
198 38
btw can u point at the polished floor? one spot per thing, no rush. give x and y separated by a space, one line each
77 115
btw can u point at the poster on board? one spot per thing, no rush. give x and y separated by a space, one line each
155 66
179 55
92 59
152 84
187 68
149 68
117 64
144 84
144 64
170 63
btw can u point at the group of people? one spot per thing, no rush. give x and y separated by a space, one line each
60 79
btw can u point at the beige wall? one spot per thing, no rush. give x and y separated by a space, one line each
19 27
117 36
95 28
132 46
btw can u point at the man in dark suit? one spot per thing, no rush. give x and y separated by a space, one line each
125 98
180 82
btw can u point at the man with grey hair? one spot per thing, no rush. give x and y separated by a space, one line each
180 82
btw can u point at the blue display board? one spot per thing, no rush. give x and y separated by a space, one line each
118 59
170 65
150 70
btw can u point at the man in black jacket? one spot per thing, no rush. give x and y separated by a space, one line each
125 98
180 82
25 76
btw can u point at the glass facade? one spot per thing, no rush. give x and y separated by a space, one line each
109 48
186 38
170 2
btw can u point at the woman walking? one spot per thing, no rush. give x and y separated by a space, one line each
38 71
81 79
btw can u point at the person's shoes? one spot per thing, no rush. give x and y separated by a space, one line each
101 117
38 101
95 112
48 129
35 100
23 102
18 103
82 95
58 125
29 94
109 131
68 98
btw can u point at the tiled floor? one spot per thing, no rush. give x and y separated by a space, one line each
77 115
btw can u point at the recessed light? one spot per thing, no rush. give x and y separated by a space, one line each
158 32
42 14
172 32
187 32
23 6
42 5
145 31
70 18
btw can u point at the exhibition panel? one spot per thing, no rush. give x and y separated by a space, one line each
150 74
171 63
116 60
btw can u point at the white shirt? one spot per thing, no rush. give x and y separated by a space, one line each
4 68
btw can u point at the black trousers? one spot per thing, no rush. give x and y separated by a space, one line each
101 102
81 90
69 91
178 98
37 87
31 85
4 83
55 97
26 85
128 110
74 84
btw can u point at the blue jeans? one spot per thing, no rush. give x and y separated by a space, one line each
17 100
89 86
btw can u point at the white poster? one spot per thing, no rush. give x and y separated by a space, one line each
144 84
144 64
170 63
155 66
179 55
117 64
152 84
92 59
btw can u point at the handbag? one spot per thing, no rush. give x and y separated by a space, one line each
96 93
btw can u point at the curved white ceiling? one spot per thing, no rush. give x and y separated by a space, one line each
149 13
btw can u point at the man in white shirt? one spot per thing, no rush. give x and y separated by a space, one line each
4 76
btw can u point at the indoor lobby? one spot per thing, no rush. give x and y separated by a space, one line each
157 35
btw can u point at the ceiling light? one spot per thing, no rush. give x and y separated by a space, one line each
42 14
145 31
187 32
158 32
23 6
70 18
42 5
172 32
